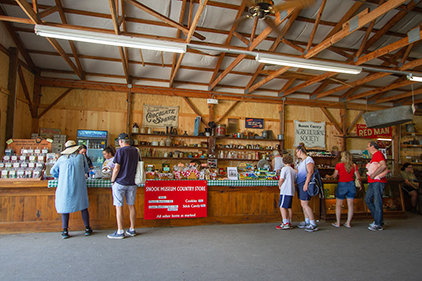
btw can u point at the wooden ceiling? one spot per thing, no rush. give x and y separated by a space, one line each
379 41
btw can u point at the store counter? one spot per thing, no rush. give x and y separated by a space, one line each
29 206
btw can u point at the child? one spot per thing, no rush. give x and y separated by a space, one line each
287 191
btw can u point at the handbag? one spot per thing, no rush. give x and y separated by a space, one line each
140 175
357 181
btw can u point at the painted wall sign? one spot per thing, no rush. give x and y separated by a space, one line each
312 134
175 199
160 116
254 123
373 133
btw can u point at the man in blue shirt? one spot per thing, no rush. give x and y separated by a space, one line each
123 185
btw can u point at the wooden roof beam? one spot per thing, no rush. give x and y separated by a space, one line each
31 14
71 43
318 18
116 26
332 119
18 42
400 96
275 44
397 17
228 40
165 19
189 38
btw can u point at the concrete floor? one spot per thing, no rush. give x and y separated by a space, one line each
220 252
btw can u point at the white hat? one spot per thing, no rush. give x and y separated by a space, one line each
70 147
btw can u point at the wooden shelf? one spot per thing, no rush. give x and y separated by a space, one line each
411 134
169 135
174 158
173 147
248 139
266 150
411 146
238 159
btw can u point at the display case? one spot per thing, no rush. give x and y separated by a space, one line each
392 199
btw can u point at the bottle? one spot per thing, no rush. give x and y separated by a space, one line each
135 128
91 173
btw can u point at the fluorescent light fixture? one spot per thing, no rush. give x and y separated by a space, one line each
109 39
413 78
303 63
381 139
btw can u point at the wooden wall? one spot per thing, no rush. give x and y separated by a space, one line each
86 109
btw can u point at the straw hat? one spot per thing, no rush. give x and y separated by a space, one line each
70 147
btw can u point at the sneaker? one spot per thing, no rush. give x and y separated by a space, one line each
131 232
115 235
65 234
311 228
302 224
375 227
88 231
291 225
373 223
283 226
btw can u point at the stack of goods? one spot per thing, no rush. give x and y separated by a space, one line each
265 174
246 171
29 163
58 143
150 172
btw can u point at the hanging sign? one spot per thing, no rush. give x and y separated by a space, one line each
175 199
312 134
373 133
160 116
254 123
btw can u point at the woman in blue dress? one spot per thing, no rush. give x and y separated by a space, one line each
71 192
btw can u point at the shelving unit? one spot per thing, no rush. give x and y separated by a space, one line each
410 150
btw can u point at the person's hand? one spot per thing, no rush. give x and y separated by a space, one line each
305 187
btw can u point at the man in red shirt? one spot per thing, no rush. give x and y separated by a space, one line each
373 198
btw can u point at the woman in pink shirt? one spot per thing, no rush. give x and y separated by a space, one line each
346 186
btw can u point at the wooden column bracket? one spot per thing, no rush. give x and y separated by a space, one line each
227 112
331 118
196 112
26 92
54 102
354 122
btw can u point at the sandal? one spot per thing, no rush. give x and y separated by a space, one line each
348 226
335 225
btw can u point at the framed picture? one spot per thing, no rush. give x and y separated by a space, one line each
232 173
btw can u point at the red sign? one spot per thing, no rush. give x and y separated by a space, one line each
175 199
373 133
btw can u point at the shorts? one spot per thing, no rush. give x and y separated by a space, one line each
302 195
408 189
123 191
346 189
285 201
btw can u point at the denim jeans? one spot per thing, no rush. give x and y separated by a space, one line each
373 200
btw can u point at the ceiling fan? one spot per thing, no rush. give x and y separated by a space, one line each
262 8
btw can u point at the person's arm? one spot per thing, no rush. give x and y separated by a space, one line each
280 182
116 171
412 184
333 175
380 169
310 168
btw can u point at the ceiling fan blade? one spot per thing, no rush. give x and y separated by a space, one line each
239 20
271 24
292 4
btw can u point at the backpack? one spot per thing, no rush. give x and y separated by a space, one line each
316 186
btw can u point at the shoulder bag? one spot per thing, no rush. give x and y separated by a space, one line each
357 181
140 175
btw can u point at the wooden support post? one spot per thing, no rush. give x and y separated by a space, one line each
11 86
129 104
396 149
36 104
343 117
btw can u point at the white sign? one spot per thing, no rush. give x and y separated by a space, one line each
310 133
160 116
